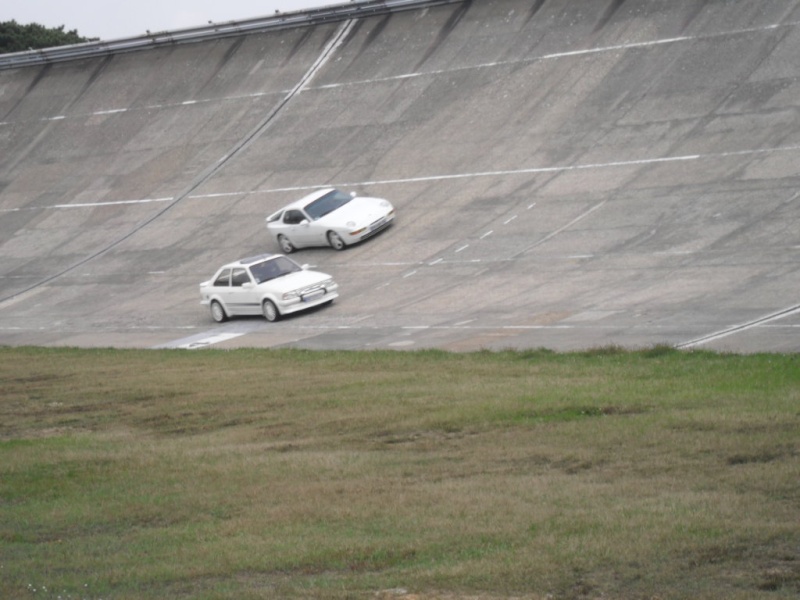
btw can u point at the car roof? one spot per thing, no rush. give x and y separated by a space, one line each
309 198
251 260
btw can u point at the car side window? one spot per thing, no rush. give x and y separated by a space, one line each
224 278
293 217
239 278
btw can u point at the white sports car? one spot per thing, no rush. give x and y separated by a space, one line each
329 217
270 284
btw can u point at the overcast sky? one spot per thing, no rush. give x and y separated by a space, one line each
110 19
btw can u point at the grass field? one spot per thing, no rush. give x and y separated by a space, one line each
294 474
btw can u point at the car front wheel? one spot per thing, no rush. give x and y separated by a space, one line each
336 242
286 245
270 311
217 312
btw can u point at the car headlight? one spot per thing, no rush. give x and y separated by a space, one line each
357 231
291 295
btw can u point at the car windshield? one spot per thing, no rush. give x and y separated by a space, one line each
272 268
327 204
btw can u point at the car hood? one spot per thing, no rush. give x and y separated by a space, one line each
360 210
294 281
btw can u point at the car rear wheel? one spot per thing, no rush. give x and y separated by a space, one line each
270 311
286 245
336 242
217 312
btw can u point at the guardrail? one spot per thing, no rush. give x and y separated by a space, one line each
278 21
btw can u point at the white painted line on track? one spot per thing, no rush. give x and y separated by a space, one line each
200 341
444 177
487 234
537 327
403 76
90 204
570 54
794 310
563 228
209 338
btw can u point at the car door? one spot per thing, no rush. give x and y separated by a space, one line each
222 290
243 295
297 228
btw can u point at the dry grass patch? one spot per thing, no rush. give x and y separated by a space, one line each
259 473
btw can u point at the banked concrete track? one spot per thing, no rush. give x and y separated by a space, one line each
568 174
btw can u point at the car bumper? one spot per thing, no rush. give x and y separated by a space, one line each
373 229
288 307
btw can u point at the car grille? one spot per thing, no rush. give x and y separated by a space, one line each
311 289
376 226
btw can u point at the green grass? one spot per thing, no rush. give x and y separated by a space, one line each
296 474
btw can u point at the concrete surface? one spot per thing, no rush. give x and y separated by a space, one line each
568 174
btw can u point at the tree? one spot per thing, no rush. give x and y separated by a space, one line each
17 38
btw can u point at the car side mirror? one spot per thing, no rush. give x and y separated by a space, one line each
248 285
304 222
305 267
353 194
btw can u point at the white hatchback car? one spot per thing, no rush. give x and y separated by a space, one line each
329 217
270 284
